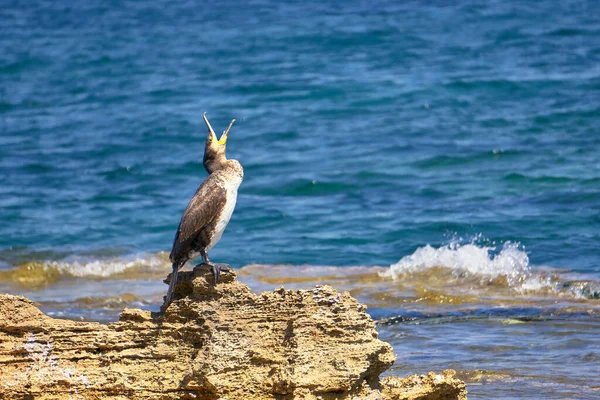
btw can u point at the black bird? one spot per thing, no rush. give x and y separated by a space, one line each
209 211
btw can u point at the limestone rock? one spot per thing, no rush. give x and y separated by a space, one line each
425 387
220 342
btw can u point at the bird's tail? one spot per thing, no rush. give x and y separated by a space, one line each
172 285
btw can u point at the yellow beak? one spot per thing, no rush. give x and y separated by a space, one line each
223 139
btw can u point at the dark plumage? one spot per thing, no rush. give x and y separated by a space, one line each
209 211
198 220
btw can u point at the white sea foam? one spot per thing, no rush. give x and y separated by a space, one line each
107 267
511 262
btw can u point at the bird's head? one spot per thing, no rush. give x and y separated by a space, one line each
214 152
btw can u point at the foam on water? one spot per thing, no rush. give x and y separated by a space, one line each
466 260
45 273
105 268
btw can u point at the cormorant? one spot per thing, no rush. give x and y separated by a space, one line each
209 211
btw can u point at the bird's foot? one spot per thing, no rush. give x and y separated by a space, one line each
217 269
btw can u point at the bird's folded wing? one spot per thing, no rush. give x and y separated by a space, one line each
208 202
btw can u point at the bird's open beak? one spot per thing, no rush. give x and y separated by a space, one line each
223 139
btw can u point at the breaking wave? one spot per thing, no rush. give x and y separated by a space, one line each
489 265
43 273
104 268
486 263
511 261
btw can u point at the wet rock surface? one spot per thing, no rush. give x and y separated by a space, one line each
210 343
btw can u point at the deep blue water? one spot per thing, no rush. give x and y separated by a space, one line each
367 130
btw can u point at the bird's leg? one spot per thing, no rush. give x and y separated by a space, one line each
204 256
214 268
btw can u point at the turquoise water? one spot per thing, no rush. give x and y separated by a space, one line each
367 131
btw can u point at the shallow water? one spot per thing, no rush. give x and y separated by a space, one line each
439 161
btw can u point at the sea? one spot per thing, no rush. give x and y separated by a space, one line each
439 160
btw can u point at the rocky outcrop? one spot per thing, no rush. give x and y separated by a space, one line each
211 343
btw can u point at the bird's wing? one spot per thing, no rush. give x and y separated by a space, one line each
204 207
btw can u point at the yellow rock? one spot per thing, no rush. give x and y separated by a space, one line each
220 342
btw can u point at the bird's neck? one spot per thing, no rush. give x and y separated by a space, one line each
213 164
223 164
